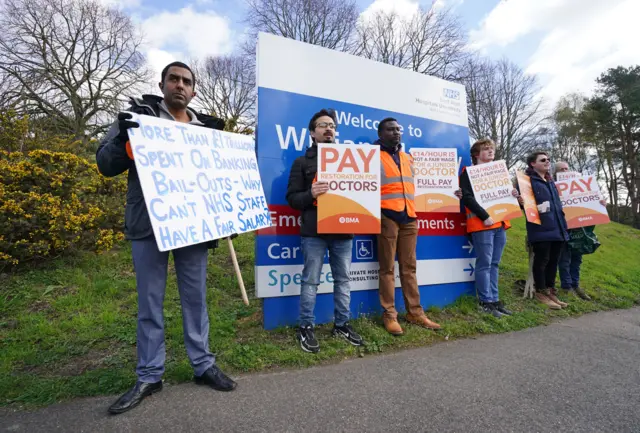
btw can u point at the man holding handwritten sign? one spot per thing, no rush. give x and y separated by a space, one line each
182 208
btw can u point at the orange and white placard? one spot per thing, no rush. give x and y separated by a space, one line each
530 205
580 198
493 190
352 204
435 174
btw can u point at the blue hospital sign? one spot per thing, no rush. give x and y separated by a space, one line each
295 80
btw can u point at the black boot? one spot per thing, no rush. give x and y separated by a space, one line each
134 396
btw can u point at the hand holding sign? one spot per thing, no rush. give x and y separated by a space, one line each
319 188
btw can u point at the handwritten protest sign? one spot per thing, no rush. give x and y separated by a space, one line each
199 184
352 204
493 190
436 179
530 205
580 198
564 175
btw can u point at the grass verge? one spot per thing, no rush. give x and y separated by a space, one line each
68 328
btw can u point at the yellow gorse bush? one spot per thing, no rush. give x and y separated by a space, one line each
53 202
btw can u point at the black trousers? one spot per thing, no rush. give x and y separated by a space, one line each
545 263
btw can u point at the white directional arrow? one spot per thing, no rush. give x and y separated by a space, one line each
468 247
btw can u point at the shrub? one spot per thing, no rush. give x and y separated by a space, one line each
52 202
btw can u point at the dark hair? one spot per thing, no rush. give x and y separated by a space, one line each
533 157
180 65
324 112
478 147
383 121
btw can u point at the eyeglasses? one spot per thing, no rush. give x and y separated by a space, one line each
326 125
544 160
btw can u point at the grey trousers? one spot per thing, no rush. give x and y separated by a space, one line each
151 279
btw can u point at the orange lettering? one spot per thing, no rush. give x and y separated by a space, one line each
366 159
562 187
348 161
587 184
326 159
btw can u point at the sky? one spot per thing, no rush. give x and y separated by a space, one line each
566 43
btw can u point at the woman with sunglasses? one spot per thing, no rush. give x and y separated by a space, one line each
548 238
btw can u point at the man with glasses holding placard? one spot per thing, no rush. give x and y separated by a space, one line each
302 192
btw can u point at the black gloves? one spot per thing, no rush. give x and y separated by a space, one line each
123 124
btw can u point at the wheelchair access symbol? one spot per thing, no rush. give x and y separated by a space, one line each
364 249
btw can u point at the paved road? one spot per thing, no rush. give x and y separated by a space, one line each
580 375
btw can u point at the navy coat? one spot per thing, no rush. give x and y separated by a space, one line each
554 224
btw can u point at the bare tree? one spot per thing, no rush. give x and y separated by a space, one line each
226 89
327 23
503 105
72 60
429 42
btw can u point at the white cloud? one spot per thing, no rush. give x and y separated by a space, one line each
185 34
579 39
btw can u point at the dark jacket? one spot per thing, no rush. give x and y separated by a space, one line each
553 225
112 160
469 199
299 197
399 217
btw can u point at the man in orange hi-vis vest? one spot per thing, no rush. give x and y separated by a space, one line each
399 231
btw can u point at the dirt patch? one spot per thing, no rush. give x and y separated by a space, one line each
77 365
255 317
39 307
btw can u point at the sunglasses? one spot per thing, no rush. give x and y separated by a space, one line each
544 160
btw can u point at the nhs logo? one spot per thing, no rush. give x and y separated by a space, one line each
451 93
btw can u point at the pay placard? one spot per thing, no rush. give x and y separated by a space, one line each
580 198
352 204
493 190
199 184
435 173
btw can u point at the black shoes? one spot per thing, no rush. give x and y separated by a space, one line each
348 334
216 379
213 377
134 396
496 309
307 339
499 306
488 308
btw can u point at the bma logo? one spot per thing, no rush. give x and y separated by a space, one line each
349 220
451 93
364 249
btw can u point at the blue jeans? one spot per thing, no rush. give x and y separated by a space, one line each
313 250
489 245
151 279
569 266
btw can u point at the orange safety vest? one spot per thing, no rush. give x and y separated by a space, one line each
475 224
397 188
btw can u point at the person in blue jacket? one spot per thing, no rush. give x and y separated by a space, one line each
548 238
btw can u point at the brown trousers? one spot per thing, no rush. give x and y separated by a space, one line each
400 238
